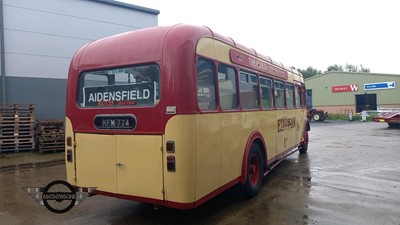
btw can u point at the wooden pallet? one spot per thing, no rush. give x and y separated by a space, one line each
15 136
17 107
11 110
50 135
17 119
9 127
17 147
51 147
50 123
16 140
13 130
45 146
17 123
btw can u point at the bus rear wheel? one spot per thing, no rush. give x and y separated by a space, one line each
303 148
254 171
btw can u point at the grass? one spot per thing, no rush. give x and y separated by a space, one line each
346 117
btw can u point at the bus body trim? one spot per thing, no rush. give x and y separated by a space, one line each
278 158
172 204
130 197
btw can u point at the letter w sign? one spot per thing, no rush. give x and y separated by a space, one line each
345 88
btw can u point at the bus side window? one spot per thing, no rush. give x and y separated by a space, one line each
279 94
206 98
289 96
267 97
297 94
248 90
227 87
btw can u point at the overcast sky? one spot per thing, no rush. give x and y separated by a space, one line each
299 33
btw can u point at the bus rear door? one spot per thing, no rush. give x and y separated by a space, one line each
128 165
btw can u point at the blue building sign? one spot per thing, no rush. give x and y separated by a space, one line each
381 85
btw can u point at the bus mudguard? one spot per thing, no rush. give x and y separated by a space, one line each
256 137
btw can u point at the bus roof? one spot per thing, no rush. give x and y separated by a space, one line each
106 52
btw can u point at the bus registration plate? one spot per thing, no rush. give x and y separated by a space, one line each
115 122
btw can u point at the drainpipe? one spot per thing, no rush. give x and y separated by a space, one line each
2 61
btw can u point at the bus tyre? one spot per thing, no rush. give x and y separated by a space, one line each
303 148
394 125
254 172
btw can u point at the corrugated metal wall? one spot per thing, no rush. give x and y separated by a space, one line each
41 36
322 88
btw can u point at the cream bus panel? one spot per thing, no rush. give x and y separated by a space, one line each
140 170
122 164
206 47
232 146
70 166
214 49
290 129
208 154
222 51
95 161
220 141
180 185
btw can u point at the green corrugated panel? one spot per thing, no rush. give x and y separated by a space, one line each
321 86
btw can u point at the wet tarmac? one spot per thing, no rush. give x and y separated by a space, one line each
351 175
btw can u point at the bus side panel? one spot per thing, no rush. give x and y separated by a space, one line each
95 161
208 154
211 48
298 134
267 125
206 47
289 134
233 143
180 185
70 166
282 133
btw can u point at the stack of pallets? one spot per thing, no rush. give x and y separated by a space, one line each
17 127
50 135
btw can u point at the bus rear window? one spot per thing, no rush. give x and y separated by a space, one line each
121 87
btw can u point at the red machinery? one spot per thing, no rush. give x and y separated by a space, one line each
316 115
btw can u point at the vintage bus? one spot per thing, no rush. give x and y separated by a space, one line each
175 115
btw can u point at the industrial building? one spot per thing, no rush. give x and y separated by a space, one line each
39 37
341 92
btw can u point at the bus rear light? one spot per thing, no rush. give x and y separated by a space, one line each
69 141
170 146
171 163
69 155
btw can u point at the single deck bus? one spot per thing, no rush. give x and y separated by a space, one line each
175 115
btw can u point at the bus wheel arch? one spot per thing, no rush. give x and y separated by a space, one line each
254 164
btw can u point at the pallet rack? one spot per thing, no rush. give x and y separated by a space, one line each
17 127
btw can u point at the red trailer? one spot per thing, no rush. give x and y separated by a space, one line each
392 118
